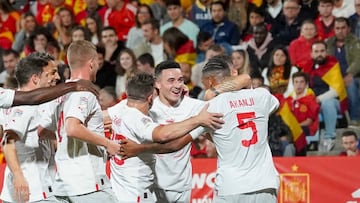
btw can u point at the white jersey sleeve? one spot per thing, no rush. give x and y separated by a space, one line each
6 97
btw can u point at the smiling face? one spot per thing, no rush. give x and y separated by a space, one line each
126 61
49 76
170 84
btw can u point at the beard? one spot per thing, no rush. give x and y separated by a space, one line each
320 60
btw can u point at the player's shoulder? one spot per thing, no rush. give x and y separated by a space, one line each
192 101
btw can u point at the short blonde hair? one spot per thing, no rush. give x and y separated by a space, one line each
80 52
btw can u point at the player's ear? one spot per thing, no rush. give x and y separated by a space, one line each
35 79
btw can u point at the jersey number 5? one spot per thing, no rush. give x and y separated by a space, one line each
243 124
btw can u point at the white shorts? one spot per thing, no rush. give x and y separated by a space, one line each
101 196
169 196
268 196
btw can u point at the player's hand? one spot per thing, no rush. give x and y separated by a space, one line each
113 148
21 188
210 120
86 85
129 149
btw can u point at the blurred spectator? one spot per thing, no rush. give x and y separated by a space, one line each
8 22
121 16
220 28
94 25
79 33
273 11
329 88
64 22
38 40
178 46
204 42
93 8
355 20
154 43
304 107
112 46
106 75
194 90
343 8
64 72
308 35
260 48
256 16
136 34
346 48
287 28
240 60
175 13
158 8
279 72
196 75
238 13
10 59
325 21
199 12
257 80
145 63
11 83
125 68
309 9
28 25
350 143
107 97
53 48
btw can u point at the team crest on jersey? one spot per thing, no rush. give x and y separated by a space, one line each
145 120
18 112
117 121
83 103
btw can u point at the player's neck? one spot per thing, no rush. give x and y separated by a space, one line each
170 103
139 105
79 74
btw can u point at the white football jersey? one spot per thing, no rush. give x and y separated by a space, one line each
6 97
133 177
174 169
80 165
35 156
245 162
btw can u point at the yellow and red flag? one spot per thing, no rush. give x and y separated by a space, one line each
186 54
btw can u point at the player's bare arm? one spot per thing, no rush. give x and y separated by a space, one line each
46 94
44 133
21 186
230 83
75 129
166 133
130 148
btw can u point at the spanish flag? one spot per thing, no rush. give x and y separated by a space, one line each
330 73
186 54
6 39
290 120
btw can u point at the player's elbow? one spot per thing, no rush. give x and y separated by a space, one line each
161 136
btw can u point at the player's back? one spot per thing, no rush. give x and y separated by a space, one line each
244 157
133 176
